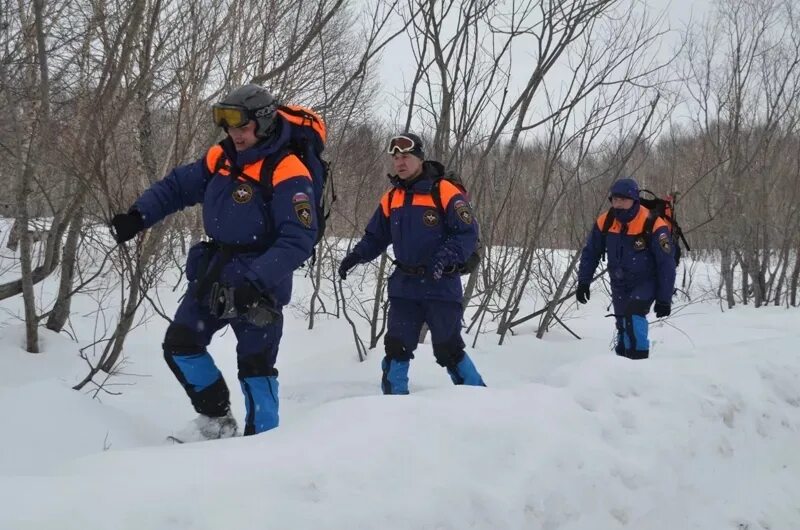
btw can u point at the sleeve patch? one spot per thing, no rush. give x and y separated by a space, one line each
663 242
463 211
302 208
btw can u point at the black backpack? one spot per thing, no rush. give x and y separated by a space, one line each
663 208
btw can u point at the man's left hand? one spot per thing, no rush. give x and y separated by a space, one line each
663 309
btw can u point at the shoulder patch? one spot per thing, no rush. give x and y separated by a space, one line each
302 208
664 243
463 211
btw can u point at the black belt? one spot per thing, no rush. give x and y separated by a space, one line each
421 270
209 276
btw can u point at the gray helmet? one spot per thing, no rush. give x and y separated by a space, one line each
260 104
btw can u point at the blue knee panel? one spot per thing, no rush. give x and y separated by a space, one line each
198 370
261 403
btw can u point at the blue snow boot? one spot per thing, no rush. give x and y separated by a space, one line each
395 376
261 403
465 373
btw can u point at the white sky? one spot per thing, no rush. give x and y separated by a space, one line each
397 64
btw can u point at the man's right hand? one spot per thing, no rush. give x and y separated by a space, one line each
349 261
127 225
582 294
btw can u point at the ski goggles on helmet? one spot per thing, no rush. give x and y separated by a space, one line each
230 115
400 145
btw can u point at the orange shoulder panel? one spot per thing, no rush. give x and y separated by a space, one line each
212 157
660 223
398 197
385 203
253 171
601 220
636 226
289 167
448 190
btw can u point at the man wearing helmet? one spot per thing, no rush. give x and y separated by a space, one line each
242 277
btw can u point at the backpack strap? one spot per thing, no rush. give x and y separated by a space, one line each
389 201
609 220
649 223
436 195
268 167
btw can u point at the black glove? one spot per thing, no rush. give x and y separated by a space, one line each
663 309
127 225
246 296
347 264
582 294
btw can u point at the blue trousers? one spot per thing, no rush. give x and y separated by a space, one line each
185 350
405 321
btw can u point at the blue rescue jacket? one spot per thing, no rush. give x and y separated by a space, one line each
281 232
635 262
419 233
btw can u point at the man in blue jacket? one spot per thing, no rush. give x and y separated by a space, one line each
242 277
429 222
641 265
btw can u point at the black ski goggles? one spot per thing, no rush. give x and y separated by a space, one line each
226 116
400 145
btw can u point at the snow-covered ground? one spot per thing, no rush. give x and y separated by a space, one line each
704 435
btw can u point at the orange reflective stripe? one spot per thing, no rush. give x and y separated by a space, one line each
423 200
253 171
661 223
635 227
290 167
385 203
398 199
602 220
212 157
305 117
448 190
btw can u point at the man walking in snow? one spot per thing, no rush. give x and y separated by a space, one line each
242 277
641 266
429 222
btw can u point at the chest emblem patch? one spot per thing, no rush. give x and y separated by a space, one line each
243 193
639 243
430 218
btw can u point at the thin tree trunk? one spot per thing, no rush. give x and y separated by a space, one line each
727 277
61 309
562 285
374 334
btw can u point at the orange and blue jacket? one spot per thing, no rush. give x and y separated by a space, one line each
636 262
281 232
420 233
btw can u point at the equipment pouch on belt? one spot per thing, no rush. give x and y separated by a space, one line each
222 306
